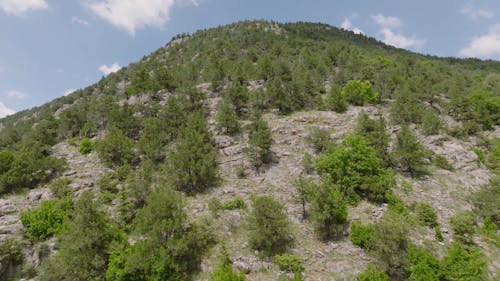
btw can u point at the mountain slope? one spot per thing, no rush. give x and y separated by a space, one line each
229 114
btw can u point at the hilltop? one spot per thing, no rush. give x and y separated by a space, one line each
260 151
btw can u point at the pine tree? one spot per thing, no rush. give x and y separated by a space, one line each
409 154
227 120
260 141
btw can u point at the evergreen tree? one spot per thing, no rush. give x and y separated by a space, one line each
227 120
260 141
409 154
335 100
374 132
192 163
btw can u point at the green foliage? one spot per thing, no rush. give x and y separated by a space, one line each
335 100
464 263
356 169
422 265
406 109
260 141
227 120
328 211
60 187
224 272
115 149
493 157
320 139
374 132
308 163
431 123
426 214
359 93
289 262
269 227
153 139
487 200
83 246
389 243
192 163
48 219
443 163
409 154
236 99
371 273
11 255
485 108
464 227
215 205
141 82
86 146
360 235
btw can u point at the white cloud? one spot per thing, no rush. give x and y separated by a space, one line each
476 13
69 91
401 41
387 22
79 21
394 38
17 94
4 111
109 69
130 15
20 7
485 46
347 25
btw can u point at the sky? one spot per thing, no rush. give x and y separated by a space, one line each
49 48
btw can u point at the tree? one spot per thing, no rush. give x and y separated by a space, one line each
355 168
359 92
260 141
409 154
328 211
115 148
464 263
153 139
84 245
140 82
335 100
192 163
269 227
227 120
371 273
423 265
237 94
374 132
224 272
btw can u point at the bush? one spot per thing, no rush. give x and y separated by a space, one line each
328 211
371 273
289 262
464 263
359 92
431 123
464 227
269 227
11 255
422 265
60 187
443 163
356 169
115 149
320 139
361 235
86 146
426 214
336 101
48 219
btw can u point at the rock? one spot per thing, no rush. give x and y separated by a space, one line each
250 264
6 207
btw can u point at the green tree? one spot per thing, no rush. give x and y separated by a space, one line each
423 265
84 245
115 148
464 263
141 82
227 120
335 100
224 272
260 141
192 163
375 133
409 154
359 92
328 211
48 219
464 225
371 273
270 231
355 168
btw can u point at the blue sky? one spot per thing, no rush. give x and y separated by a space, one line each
52 47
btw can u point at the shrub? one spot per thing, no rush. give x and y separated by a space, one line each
463 262
320 139
371 273
289 262
443 163
269 227
426 214
336 101
11 255
361 235
422 265
86 146
464 227
356 169
60 187
46 220
115 149
431 123
359 92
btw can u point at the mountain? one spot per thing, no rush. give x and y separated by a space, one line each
260 151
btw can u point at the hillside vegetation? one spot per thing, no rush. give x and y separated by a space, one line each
260 151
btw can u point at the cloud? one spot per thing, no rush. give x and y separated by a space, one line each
485 46
17 94
394 38
20 7
109 69
387 22
69 91
130 15
476 13
4 111
347 25
80 21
